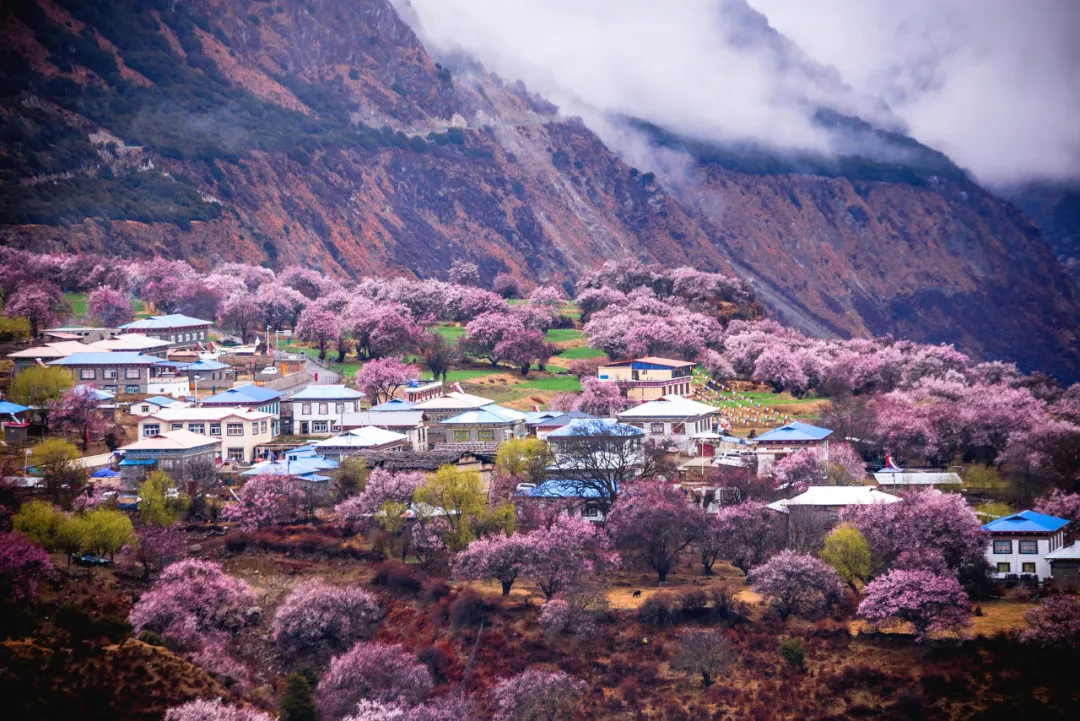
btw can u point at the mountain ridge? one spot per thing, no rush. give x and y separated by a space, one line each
323 133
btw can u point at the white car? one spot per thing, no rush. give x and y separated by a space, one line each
269 371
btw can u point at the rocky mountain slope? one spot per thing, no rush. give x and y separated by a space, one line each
323 133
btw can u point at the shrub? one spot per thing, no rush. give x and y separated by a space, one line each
439 663
661 609
704 652
151 638
470 609
298 703
791 650
537 694
1054 622
373 672
316 614
398 577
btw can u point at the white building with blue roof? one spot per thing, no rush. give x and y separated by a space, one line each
488 424
796 436
257 398
320 409
181 331
1019 544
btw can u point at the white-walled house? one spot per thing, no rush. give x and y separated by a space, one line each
1019 544
239 430
150 406
672 418
318 410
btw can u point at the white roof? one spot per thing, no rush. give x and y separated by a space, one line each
215 413
835 496
1071 551
59 349
453 401
327 393
131 341
916 478
172 441
670 406
365 437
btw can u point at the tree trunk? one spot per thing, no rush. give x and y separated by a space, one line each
662 573
706 679
322 350
506 586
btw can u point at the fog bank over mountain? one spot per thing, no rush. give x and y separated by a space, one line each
994 84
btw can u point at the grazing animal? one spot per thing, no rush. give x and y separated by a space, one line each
637 593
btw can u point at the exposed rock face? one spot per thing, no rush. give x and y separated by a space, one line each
263 118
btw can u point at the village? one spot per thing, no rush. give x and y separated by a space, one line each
649 449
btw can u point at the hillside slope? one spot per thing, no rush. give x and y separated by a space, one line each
323 133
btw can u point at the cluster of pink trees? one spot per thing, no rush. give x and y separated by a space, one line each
564 557
214 710
266 500
317 616
930 602
797 584
653 523
374 672
842 465
23 565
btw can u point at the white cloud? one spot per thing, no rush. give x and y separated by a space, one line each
993 83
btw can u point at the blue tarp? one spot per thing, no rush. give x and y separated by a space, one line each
138 462
105 473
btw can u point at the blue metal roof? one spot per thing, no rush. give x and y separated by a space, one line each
164 322
106 359
302 467
327 393
138 462
796 431
584 427
9 408
244 394
1026 522
560 488
204 365
554 418
395 404
159 401
489 414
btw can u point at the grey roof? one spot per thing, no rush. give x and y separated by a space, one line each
106 359
917 478
164 322
394 419
419 460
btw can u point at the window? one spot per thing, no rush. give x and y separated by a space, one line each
305 409
132 374
145 408
324 408
488 435
679 429
262 426
234 429
199 428
87 374
109 374
1029 547
111 389
215 429
177 427
131 389
1002 547
150 429
339 408
461 436
318 426
1027 568
236 454
656 428
1004 567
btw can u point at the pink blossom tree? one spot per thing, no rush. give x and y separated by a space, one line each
547 295
653 523
1062 505
202 296
308 282
157 548
593 300
931 603
568 554
466 303
318 616
717 366
506 285
537 694
795 472
1054 622
214 710
500 557
463 272
23 564
781 369
927 519
40 303
797 584
523 350
747 533
279 304
192 603
319 326
380 328
600 398
252 276
382 487
380 379
487 331
373 672
77 412
111 307
265 500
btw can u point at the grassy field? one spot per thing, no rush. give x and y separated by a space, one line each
561 384
452 333
562 335
580 352
78 302
462 375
